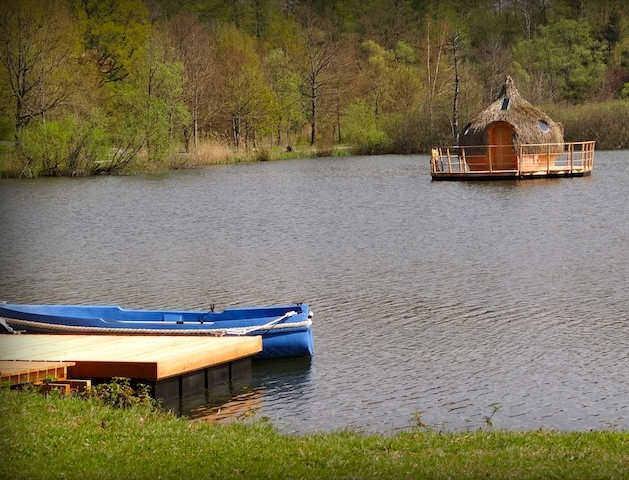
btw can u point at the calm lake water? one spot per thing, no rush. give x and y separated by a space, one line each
452 300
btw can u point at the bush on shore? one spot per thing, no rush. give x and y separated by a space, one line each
606 123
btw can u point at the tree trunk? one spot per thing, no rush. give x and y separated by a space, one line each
236 131
455 103
313 123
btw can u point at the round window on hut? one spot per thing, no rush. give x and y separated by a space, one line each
543 125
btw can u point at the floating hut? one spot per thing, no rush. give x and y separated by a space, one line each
511 138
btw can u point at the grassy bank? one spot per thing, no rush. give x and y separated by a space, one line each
55 437
12 165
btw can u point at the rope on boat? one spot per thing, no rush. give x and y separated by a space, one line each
215 332
7 327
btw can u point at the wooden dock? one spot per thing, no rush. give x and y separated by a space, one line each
18 372
175 366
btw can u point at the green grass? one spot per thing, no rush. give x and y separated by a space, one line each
70 438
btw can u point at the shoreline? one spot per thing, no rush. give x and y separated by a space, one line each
67 437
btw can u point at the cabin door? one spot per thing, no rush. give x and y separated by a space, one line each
501 150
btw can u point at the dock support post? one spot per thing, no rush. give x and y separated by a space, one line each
196 382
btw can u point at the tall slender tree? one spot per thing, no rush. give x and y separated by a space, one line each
313 62
194 47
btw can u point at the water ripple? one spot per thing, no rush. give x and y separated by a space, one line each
448 300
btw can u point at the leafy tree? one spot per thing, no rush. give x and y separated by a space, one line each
284 84
147 111
246 98
364 129
392 92
563 59
374 72
612 32
282 73
395 84
68 146
126 125
166 110
115 34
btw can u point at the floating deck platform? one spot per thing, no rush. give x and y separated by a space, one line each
176 366
495 162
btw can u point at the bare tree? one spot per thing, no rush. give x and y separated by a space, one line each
494 64
36 56
194 47
434 59
315 69
454 44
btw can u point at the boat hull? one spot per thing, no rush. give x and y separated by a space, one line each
286 329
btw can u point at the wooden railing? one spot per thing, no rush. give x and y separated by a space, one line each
551 159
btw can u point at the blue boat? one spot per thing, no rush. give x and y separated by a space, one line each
285 329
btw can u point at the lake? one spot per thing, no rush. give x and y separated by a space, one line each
458 304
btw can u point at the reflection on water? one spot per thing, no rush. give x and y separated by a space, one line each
434 297
272 381
238 407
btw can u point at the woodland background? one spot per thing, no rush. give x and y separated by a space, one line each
120 86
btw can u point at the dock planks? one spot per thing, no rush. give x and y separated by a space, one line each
152 358
19 372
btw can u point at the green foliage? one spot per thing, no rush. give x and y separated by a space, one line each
404 53
7 130
568 58
120 394
362 129
286 113
165 112
126 121
384 120
116 32
248 100
67 147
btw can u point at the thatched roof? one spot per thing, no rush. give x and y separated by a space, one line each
530 125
